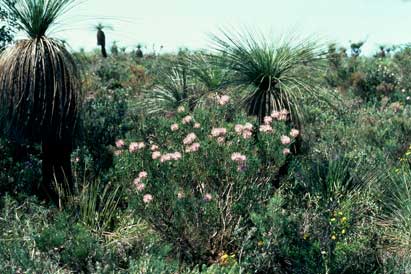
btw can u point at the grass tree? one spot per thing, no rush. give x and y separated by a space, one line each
40 90
274 75
101 38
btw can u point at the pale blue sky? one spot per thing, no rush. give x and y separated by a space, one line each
185 23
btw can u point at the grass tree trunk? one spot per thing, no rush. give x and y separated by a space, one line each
101 41
56 169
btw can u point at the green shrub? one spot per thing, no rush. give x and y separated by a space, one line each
103 121
321 221
74 245
20 168
198 194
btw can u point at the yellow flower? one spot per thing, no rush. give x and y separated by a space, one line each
333 237
343 219
332 219
305 237
260 243
340 213
343 231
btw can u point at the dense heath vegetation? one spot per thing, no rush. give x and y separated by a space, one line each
256 156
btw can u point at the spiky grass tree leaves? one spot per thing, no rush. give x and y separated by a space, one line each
271 74
40 89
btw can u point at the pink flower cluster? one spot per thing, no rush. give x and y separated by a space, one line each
170 156
208 197
148 198
218 132
294 133
138 181
120 143
223 100
238 157
285 140
266 128
240 160
154 148
174 127
281 115
187 119
245 130
135 146
197 125
189 139
193 147
181 109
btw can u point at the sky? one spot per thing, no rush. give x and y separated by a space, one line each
188 23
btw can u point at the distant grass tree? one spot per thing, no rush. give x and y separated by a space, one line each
40 90
101 38
271 74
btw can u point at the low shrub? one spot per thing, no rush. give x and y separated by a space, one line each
196 177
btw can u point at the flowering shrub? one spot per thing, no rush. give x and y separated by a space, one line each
196 180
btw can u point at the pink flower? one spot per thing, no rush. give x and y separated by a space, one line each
165 157
223 100
286 151
189 139
142 175
294 133
266 128
283 115
147 198
285 140
248 126
176 156
220 140
218 132
156 155
238 157
120 143
268 120
140 187
238 128
118 152
174 127
187 119
275 114
196 125
208 197
154 148
180 109
247 134
193 148
133 147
